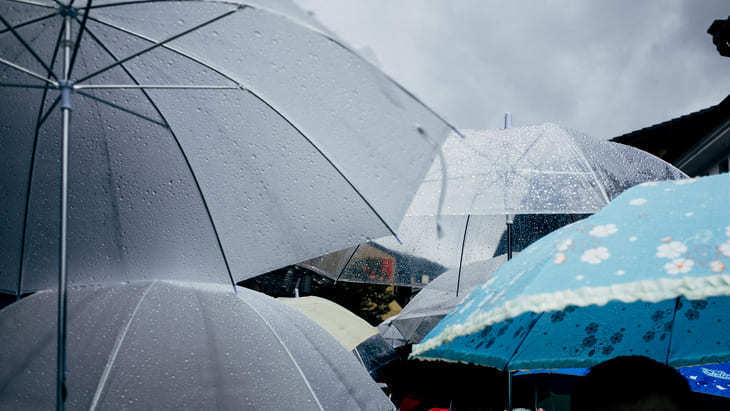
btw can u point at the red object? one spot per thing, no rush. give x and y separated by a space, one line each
387 265
409 404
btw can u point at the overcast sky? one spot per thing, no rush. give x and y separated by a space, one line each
602 67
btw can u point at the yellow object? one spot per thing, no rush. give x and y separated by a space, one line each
347 328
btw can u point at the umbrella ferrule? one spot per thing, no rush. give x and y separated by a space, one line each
66 87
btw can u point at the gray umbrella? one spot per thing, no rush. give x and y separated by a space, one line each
535 178
176 345
211 141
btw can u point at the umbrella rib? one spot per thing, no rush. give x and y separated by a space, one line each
33 3
320 33
79 36
115 351
527 332
50 109
674 318
29 22
461 258
156 45
588 166
157 86
286 349
264 101
32 167
331 163
27 47
20 85
342 271
126 110
28 71
182 152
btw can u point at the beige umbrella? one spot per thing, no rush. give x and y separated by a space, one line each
351 331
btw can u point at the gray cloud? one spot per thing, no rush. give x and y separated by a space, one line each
601 67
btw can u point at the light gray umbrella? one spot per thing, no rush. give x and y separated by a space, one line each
176 345
438 298
210 141
207 137
536 178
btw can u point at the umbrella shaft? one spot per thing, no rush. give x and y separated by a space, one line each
61 343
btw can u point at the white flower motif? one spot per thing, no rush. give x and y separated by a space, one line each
685 181
679 265
595 255
565 244
560 258
717 266
603 230
727 231
649 184
579 277
637 201
689 214
633 238
620 272
725 248
671 250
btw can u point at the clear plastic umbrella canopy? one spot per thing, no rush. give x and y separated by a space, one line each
175 345
439 297
541 177
207 141
544 169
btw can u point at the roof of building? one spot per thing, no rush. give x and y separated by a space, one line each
672 139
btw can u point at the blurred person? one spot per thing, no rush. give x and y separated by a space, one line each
632 383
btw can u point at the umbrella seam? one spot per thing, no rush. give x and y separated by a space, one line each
461 257
182 152
269 105
32 3
115 351
286 349
39 122
325 36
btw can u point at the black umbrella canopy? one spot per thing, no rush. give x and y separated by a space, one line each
208 141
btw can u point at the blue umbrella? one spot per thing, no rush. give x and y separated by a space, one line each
712 379
647 275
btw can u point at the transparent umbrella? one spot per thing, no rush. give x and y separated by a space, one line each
439 297
536 179
177 345
210 141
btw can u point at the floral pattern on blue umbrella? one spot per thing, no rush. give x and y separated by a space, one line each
657 247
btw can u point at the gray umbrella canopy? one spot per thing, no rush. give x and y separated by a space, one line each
209 141
543 177
175 345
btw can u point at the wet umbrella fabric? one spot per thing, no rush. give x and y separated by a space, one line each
712 379
174 345
208 140
647 275
439 297
354 333
542 177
